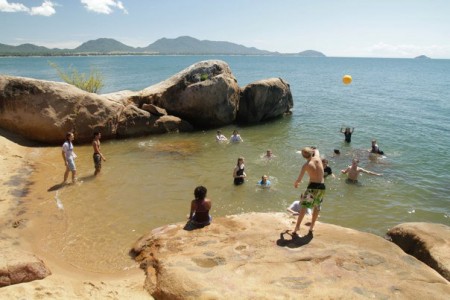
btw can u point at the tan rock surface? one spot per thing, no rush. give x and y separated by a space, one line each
15 164
427 242
250 257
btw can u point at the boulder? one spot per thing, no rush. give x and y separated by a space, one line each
428 242
205 94
264 100
17 266
45 111
251 256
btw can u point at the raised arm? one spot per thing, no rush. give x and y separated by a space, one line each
369 172
345 171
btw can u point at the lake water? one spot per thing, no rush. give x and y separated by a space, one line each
148 182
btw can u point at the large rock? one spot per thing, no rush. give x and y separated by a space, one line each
205 94
427 242
17 266
264 100
250 256
45 111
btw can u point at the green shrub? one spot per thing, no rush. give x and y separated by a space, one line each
92 83
203 77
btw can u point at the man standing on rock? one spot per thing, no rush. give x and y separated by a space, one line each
313 196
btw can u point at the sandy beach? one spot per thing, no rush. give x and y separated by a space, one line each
18 161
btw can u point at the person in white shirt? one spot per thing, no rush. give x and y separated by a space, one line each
69 158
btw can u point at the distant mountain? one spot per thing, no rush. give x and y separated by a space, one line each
103 45
25 49
189 45
183 45
421 57
311 53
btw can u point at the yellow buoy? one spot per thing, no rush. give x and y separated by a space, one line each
347 79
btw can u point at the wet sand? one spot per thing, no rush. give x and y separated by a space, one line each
19 161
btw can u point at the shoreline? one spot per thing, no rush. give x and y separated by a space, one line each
18 160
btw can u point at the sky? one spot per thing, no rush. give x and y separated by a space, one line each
337 28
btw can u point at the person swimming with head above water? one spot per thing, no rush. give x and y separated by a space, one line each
375 149
354 170
264 182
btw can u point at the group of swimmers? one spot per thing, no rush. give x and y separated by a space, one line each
311 199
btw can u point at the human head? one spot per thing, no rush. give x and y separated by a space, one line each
347 129
235 132
324 161
264 178
355 161
307 152
200 192
269 152
240 161
97 134
374 142
69 136
219 132
336 151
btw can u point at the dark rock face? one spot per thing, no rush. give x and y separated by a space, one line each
264 100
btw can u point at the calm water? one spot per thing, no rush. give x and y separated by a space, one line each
149 182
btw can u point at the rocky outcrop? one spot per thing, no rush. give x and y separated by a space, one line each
17 266
264 100
251 256
205 95
427 242
45 111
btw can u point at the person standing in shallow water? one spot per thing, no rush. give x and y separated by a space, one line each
348 134
353 171
313 196
236 137
200 207
239 172
69 158
97 156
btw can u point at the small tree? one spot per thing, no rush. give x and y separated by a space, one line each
92 83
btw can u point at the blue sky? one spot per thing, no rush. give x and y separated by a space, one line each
345 28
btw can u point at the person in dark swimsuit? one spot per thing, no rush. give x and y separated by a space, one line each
200 206
348 134
326 169
238 172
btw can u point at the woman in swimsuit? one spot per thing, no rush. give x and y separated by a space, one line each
200 206
238 172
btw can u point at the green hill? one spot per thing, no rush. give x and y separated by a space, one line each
183 45
103 45
189 45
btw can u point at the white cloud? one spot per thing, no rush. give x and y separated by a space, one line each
5 6
46 9
103 6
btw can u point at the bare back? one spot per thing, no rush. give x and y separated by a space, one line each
314 168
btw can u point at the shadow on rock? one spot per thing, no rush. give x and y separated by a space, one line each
295 241
191 226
